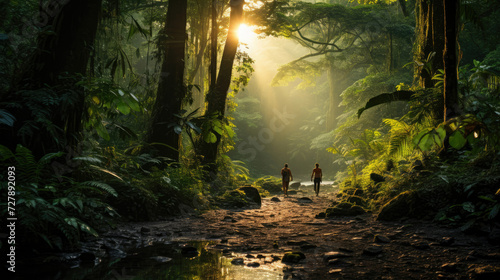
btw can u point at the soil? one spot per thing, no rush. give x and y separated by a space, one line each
340 248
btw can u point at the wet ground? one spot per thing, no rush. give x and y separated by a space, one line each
250 243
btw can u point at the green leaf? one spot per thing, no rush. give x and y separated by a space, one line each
123 108
383 98
469 207
457 140
441 134
229 130
133 104
102 131
494 211
210 137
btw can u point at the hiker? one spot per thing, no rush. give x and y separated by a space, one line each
287 176
318 177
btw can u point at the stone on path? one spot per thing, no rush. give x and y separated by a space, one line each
381 239
275 199
373 250
293 257
304 200
334 255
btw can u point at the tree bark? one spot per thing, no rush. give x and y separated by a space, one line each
171 86
450 59
216 99
213 50
430 38
61 53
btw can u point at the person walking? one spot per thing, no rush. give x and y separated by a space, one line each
287 176
317 174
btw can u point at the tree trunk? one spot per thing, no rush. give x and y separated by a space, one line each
171 86
430 38
216 99
213 50
450 59
62 54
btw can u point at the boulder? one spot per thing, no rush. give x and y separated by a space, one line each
398 207
293 257
252 193
344 209
294 185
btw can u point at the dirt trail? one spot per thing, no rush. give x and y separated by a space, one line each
340 248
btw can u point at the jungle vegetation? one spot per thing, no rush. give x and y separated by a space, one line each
133 110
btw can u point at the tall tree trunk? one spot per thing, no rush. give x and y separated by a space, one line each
216 99
213 50
450 59
430 38
61 53
171 86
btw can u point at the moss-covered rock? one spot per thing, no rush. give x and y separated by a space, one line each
358 200
293 257
269 183
398 207
344 209
252 193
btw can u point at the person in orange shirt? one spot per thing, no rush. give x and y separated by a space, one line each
318 177
287 176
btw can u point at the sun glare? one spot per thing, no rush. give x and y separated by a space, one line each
246 33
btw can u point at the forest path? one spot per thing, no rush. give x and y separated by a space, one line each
340 248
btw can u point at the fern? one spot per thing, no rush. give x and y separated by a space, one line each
103 186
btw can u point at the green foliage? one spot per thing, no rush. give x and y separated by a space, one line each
270 184
56 210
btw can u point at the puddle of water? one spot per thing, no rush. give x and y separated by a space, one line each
166 261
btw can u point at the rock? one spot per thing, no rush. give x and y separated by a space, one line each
145 230
421 245
259 256
304 200
253 264
294 185
373 250
252 193
339 262
377 178
446 241
229 219
485 272
354 199
308 246
275 199
344 209
293 257
248 256
397 207
321 215
334 255
237 261
381 239
161 259
296 243
291 192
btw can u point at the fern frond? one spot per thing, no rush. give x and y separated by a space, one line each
106 171
88 159
103 186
